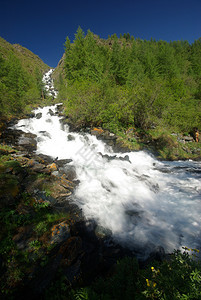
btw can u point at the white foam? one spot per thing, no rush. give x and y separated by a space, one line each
145 203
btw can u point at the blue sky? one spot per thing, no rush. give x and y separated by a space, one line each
42 26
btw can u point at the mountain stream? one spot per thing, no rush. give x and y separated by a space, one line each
142 202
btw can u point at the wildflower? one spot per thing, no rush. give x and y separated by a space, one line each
152 268
147 280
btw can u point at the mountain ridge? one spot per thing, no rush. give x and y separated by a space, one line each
26 56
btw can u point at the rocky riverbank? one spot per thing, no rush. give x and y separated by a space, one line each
44 235
164 145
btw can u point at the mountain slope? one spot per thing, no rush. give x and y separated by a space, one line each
29 60
21 74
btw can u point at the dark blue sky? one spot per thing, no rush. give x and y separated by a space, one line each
42 26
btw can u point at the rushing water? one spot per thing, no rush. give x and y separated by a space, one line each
144 203
49 85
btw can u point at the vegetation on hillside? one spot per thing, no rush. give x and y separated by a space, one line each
122 82
178 277
115 83
21 74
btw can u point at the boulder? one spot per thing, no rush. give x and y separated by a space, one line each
60 233
28 141
52 167
61 162
71 137
38 115
69 171
50 112
39 168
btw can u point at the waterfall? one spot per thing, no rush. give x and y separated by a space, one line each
48 84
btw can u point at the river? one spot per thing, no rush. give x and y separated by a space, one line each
144 203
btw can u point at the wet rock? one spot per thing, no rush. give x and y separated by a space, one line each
28 141
125 158
71 137
45 158
108 157
59 192
50 112
62 162
70 172
45 133
67 184
38 115
104 135
60 233
112 157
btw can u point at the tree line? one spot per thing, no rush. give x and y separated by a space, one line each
121 82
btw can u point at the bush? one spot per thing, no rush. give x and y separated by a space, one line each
178 277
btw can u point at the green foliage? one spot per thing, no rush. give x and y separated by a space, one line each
20 78
123 82
178 277
35 245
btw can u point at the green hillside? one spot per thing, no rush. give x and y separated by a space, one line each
20 78
118 83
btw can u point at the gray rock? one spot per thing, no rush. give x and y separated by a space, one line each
38 115
28 141
61 162
71 137
60 233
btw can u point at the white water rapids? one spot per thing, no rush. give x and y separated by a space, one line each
144 203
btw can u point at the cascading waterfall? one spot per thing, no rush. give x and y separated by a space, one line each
49 85
144 203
